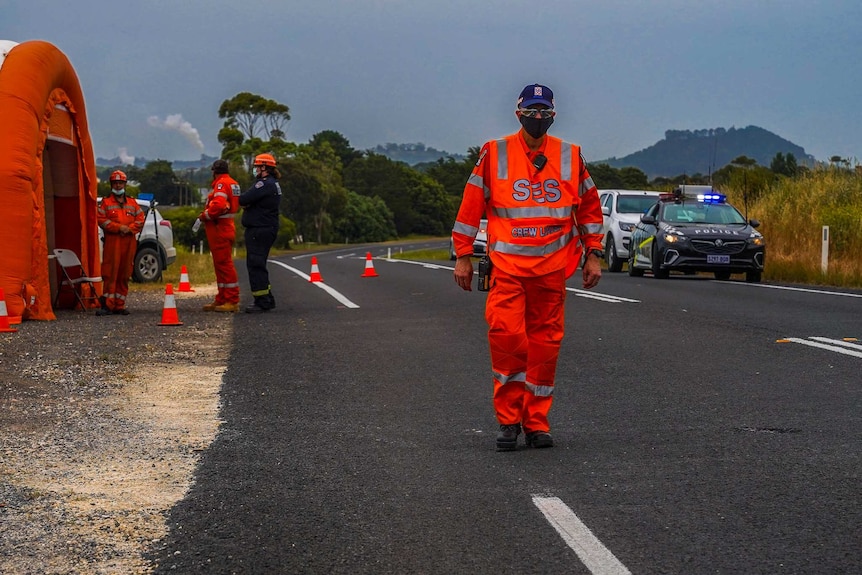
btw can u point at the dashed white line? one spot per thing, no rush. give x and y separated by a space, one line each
601 296
592 553
578 292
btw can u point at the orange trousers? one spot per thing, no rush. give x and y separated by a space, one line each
118 259
525 318
221 235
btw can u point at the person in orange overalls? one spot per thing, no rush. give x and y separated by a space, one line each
218 216
542 206
121 219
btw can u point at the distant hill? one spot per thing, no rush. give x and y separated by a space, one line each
412 154
140 162
705 151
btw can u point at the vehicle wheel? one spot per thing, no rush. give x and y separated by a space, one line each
753 277
633 271
452 255
656 265
148 266
723 276
615 264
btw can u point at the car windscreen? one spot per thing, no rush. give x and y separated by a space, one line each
635 204
700 213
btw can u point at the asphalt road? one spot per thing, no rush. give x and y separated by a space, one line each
697 427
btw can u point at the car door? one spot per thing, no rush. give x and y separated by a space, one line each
643 237
606 199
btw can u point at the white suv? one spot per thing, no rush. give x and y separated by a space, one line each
622 210
156 249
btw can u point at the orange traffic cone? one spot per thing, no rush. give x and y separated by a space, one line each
184 286
4 316
315 272
369 272
169 312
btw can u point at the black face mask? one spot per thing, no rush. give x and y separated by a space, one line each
536 127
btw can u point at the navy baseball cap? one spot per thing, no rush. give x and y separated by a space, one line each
536 94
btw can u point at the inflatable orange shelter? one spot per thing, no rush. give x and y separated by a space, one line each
47 176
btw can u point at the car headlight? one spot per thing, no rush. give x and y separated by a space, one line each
757 239
626 227
672 238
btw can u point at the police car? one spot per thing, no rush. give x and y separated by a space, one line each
694 229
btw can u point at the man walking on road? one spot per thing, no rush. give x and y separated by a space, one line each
541 205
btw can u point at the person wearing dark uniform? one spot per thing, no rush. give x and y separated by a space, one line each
260 219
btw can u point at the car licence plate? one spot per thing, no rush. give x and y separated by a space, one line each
717 259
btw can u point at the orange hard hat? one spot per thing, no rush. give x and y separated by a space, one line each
264 160
117 176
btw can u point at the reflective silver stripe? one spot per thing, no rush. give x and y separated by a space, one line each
465 229
541 390
566 161
502 161
476 180
220 195
227 285
520 377
590 229
585 187
534 212
534 251
225 216
104 225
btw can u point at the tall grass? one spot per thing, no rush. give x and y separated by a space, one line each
793 211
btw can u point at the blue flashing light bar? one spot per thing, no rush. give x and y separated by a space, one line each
713 198
146 196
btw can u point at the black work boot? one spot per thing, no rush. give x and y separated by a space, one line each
269 301
507 438
259 306
539 439
103 310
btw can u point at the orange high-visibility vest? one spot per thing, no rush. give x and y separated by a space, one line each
535 216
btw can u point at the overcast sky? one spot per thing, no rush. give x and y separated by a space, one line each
447 72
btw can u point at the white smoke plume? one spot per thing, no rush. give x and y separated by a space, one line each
176 123
125 158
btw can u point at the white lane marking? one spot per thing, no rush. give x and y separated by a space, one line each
423 264
787 288
838 346
601 296
840 342
592 553
335 294
578 292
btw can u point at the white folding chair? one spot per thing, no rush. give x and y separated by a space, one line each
73 271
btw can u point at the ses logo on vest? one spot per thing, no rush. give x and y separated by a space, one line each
540 192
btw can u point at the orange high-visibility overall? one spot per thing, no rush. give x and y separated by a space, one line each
118 252
537 221
218 215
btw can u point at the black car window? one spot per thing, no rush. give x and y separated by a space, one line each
634 204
